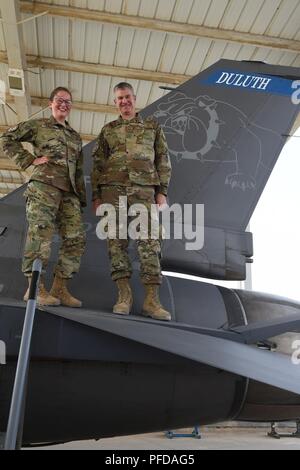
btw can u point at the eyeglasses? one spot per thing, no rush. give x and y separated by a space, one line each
60 101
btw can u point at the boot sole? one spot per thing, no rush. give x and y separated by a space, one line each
71 306
64 304
48 304
121 313
149 315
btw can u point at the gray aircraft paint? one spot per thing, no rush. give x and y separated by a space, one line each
2 352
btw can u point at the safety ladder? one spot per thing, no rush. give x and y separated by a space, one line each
12 439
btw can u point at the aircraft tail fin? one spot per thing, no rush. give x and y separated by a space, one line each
225 128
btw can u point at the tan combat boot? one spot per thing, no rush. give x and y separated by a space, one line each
152 306
44 298
59 290
124 302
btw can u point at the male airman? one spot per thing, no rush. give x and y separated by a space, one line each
131 160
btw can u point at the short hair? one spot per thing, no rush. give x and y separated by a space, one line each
57 90
122 86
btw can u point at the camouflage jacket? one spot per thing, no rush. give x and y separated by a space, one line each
60 143
131 152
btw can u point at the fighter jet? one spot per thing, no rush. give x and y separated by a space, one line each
227 354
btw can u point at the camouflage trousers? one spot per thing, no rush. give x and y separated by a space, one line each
149 250
49 210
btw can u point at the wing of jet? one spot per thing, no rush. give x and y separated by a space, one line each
94 374
216 348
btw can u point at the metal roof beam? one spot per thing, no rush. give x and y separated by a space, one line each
102 69
10 10
6 164
183 29
107 70
43 102
79 106
15 180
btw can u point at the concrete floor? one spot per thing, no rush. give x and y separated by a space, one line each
212 439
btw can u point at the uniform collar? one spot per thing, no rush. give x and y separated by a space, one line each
54 122
137 119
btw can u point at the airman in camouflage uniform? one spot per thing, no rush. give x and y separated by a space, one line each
55 193
131 159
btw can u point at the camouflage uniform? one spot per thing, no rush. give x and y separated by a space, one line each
131 159
55 193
